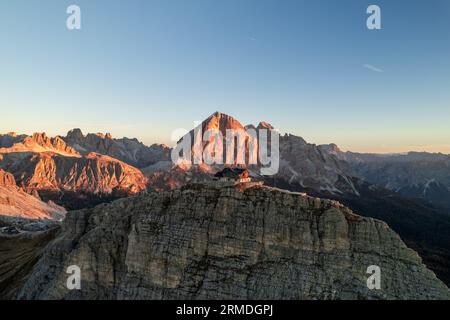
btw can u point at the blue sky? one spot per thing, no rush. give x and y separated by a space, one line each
144 68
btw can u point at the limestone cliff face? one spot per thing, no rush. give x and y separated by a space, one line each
92 173
206 242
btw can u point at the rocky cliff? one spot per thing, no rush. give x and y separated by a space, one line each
17 203
93 173
8 140
7 179
21 244
210 242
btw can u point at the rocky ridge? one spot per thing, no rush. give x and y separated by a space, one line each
40 142
130 151
415 174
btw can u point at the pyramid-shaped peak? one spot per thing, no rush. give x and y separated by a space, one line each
221 121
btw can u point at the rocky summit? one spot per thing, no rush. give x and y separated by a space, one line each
204 241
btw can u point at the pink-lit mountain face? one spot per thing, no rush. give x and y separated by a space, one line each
299 162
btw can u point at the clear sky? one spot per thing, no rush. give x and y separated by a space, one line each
311 68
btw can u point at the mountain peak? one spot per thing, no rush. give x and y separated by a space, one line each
40 142
265 125
222 122
331 148
39 136
75 134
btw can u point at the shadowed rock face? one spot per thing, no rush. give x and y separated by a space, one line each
130 151
21 244
8 140
203 242
38 142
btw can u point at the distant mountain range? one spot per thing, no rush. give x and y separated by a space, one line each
410 192
415 174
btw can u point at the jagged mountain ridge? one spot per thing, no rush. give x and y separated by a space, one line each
21 245
130 151
415 174
7 140
206 242
92 173
39 143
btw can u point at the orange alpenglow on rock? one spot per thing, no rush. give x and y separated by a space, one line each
15 202
40 142
7 179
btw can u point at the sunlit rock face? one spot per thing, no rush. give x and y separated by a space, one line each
8 140
7 179
92 173
40 142
215 136
14 202
206 242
